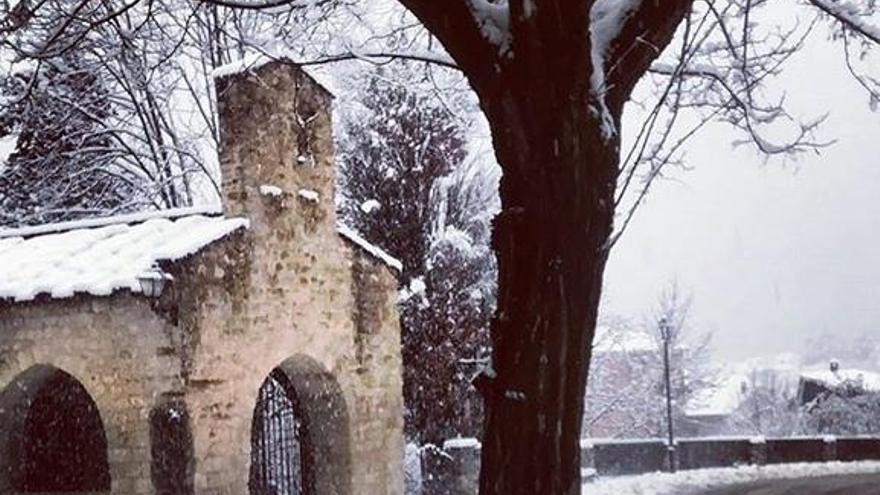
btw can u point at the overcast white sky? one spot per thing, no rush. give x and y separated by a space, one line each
772 254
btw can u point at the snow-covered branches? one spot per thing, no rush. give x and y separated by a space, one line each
720 68
411 185
861 18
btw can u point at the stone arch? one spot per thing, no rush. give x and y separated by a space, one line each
52 438
323 427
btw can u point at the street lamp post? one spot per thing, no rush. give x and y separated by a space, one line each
670 447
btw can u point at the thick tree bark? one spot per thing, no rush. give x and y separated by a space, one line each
550 242
560 168
557 194
556 139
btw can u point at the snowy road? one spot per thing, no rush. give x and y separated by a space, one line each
862 484
829 478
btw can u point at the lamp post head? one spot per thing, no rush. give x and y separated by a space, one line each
663 324
153 281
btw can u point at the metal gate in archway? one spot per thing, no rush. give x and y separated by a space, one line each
279 461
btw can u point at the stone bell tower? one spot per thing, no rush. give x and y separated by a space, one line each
294 296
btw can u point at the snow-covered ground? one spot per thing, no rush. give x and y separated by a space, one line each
696 480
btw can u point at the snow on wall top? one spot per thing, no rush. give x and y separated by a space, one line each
100 256
254 61
350 234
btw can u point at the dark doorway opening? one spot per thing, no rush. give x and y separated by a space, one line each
53 437
171 449
280 459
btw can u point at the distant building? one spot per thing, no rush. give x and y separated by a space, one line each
773 379
843 382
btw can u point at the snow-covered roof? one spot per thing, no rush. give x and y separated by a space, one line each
870 380
352 235
100 256
724 398
254 61
785 370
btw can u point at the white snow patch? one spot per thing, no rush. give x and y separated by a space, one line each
104 221
856 13
416 287
352 235
101 256
270 190
783 369
309 195
8 144
370 205
493 19
461 443
606 20
697 480
868 379
254 61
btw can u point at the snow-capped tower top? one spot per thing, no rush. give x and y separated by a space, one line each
276 145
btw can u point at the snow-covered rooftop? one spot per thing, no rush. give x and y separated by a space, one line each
353 236
254 61
783 369
870 380
100 256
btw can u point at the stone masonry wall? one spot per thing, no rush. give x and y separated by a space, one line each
287 291
118 348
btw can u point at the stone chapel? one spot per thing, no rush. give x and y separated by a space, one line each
250 351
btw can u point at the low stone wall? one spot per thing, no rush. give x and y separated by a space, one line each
608 457
857 449
698 454
785 450
616 458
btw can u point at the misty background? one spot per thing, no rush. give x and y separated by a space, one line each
773 253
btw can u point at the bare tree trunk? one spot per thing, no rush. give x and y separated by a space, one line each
550 239
556 140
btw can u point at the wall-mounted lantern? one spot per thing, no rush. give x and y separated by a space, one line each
153 281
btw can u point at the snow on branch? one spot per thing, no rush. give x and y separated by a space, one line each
493 19
606 21
607 18
268 4
850 15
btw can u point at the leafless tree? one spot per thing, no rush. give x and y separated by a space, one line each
626 391
553 78
768 406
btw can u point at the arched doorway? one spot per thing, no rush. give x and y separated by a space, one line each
52 437
300 433
280 462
